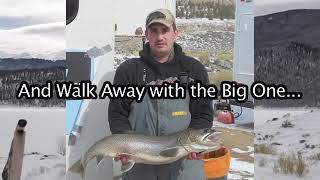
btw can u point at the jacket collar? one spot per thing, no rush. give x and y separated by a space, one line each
146 52
148 59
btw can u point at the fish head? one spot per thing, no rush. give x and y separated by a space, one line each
204 140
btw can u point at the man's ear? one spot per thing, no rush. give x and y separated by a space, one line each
146 33
146 37
178 33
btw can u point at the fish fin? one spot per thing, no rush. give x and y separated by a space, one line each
170 152
117 177
215 136
135 132
99 159
77 168
127 167
82 174
129 132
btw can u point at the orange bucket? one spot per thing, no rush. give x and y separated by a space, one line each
217 163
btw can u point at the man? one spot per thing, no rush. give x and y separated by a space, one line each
161 60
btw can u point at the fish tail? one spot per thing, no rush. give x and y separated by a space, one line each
117 177
77 168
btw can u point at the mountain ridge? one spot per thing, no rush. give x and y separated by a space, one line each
29 63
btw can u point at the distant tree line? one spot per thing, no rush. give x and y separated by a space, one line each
295 65
10 81
29 63
211 9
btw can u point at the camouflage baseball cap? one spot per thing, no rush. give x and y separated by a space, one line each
163 16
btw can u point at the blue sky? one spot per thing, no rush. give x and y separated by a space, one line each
7 22
35 27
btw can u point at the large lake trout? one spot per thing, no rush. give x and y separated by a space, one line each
148 149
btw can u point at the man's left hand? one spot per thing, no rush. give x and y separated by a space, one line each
194 156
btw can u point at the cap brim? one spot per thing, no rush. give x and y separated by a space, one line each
160 22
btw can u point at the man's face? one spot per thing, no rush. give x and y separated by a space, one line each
161 38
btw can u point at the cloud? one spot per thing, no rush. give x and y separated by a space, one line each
35 27
38 11
51 29
36 40
11 22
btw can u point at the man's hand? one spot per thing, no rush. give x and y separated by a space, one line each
194 156
123 158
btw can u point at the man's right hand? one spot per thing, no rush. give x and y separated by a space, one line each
123 158
195 156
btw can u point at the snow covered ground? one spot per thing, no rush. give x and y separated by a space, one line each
240 170
262 115
239 140
44 131
200 24
303 137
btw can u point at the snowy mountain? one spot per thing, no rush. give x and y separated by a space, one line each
29 63
6 55
56 55
59 55
24 55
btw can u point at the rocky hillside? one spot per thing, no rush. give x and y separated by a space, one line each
202 34
287 51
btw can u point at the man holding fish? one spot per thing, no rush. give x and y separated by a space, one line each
162 61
